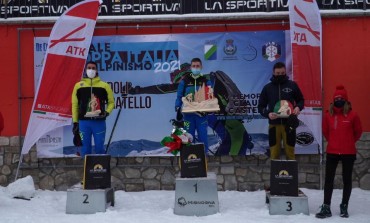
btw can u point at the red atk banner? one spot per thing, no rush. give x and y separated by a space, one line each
65 59
305 28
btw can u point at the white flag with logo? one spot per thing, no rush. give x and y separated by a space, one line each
65 59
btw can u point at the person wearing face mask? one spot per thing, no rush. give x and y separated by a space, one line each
280 89
189 84
92 101
342 128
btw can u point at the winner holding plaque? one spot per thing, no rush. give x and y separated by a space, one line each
281 101
195 98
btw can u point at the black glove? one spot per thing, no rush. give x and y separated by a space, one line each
292 123
77 140
104 114
201 114
177 109
179 115
75 129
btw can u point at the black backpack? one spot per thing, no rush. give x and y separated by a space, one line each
225 89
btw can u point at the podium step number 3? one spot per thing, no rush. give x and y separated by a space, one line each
287 205
196 196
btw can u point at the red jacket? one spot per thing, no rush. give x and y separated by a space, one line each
341 131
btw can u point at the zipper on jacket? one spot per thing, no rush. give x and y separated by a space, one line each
281 120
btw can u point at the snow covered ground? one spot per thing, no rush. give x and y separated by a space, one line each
158 206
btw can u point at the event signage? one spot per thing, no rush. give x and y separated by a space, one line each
144 70
49 8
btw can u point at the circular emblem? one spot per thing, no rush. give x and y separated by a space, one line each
304 138
250 53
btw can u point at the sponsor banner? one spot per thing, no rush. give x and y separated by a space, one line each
48 8
68 44
305 25
142 71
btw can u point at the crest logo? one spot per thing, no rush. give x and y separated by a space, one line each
271 51
210 50
230 48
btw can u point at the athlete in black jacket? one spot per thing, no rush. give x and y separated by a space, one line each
279 92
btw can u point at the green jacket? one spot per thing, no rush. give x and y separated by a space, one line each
91 95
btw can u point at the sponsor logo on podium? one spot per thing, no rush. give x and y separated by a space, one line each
284 178
182 202
97 171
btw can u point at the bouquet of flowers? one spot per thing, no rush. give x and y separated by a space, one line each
178 137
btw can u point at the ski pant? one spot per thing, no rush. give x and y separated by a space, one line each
95 128
194 121
331 166
278 133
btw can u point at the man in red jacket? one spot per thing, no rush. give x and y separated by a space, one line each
341 128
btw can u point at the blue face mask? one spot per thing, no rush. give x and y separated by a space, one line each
195 71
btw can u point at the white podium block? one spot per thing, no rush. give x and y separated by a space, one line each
196 196
287 205
89 201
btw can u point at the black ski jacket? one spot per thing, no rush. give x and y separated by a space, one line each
276 91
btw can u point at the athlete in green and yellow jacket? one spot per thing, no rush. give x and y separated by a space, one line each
92 102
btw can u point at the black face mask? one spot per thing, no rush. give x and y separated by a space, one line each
339 103
279 78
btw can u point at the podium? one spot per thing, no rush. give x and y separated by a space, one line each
284 197
89 201
96 194
196 196
287 205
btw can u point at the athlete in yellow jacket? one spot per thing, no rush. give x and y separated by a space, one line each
92 102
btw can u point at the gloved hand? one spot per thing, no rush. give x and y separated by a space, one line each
75 129
177 109
104 114
292 123
201 114
179 115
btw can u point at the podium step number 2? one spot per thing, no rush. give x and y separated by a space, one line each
89 201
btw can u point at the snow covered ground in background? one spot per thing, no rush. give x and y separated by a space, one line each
158 206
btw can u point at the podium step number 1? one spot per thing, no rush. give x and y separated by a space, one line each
196 196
